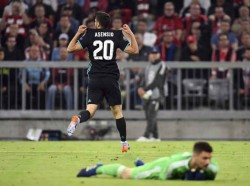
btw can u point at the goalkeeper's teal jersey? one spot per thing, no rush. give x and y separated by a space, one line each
173 167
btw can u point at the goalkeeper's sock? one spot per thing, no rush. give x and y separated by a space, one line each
111 170
83 115
121 126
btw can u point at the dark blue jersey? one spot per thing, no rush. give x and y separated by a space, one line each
102 45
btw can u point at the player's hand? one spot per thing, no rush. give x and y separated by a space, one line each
81 29
126 29
27 87
141 91
41 86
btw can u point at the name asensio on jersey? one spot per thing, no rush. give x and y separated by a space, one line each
104 34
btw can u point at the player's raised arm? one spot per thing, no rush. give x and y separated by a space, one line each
74 45
133 48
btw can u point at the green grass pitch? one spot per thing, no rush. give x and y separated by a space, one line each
57 163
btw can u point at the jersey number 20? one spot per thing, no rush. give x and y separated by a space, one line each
103 46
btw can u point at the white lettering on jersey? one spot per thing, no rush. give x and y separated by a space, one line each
104 34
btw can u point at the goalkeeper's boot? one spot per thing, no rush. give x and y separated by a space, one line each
89 171
138 162
125 146
72 126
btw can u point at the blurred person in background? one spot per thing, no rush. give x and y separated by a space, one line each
168 21
48 5
226 4
245 3
35 39
68 11
4 75
159 11
194 53
77 11
168 49
242 23
62 82
224 29
36 81
245 43
65 27
214 20
63 42
40 18
122 8
246 73
116 23
151 91
195 16
202 35
46 37
20 39
224 53
12 53
149 38
15 14
204 5
144 52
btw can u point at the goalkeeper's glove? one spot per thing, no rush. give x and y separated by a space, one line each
194 175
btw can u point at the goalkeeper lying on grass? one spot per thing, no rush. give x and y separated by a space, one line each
185 166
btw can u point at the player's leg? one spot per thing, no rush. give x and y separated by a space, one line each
151 170
153 110
147 115
112 94
121 126
94 97
116 170
83 116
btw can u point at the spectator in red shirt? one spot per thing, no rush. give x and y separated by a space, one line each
195 16
15 16
169 21
225 53
40 17
216 18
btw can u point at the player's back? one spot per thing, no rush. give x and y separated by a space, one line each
102 45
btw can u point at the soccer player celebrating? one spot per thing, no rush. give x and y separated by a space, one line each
186 166
103 71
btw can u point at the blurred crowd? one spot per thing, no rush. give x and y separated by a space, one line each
183 30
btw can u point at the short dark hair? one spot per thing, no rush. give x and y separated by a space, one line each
202 146
103 18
